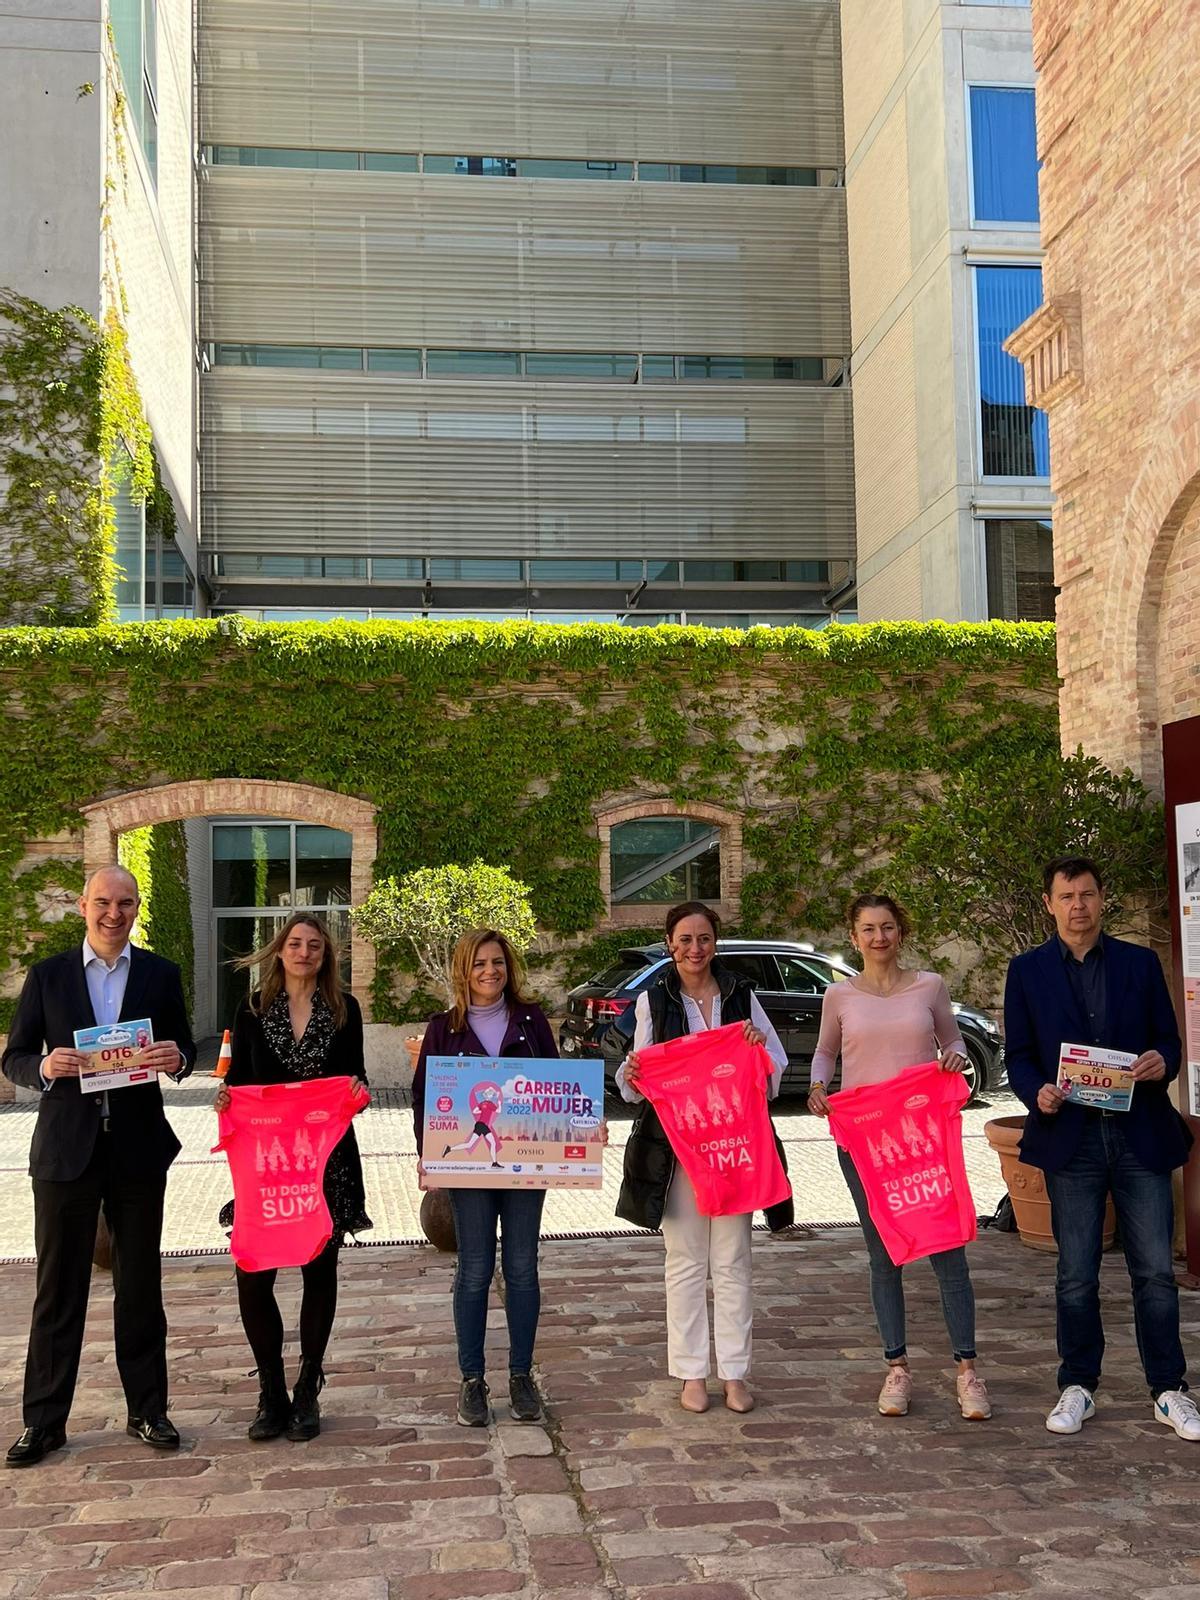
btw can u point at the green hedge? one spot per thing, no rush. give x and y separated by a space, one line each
157 857
501 741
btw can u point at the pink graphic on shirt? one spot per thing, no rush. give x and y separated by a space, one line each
277 1138
710 1092
905 1139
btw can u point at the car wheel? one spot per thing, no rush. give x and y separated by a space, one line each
975 1071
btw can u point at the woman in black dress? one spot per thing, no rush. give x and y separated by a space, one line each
300 1023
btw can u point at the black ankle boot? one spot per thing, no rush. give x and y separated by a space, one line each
305 1420
274 1406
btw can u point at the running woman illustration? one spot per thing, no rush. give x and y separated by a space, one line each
484 1102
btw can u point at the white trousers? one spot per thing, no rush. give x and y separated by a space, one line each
696 1246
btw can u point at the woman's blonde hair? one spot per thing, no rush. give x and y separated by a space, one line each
463 960
268 960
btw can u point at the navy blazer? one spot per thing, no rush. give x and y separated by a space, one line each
1041 1014
53 1003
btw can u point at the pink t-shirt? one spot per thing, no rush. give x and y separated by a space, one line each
878 1036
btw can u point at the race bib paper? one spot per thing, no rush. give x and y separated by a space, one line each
116 1055
1089 1076
502 1123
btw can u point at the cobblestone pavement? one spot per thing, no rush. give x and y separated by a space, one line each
621 1496
199 1183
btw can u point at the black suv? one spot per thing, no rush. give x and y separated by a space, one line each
789 980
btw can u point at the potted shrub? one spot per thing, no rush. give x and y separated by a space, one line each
422 915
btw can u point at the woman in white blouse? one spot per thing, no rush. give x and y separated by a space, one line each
695 993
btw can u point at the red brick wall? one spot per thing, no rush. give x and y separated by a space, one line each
1119 135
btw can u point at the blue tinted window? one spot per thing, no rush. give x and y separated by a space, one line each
472 363
383 161
1015 436
405 361
1004 160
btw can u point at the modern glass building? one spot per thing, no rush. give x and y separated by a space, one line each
524 308
952 466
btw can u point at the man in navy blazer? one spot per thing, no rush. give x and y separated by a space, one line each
1083 987
91 1150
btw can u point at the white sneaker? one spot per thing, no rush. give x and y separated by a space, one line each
1075 1407
1178 1410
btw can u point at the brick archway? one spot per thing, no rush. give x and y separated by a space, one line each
105 820
730 826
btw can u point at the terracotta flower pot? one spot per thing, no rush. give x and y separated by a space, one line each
413 1045
1027 1187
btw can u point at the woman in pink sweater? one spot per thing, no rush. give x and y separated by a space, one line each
887 1019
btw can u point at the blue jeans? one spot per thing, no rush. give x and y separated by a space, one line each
1145 1216
887 1283
476 1214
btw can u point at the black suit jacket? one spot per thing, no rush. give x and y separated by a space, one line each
53 1004
1041 1015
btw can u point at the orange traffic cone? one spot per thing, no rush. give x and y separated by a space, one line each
224 1058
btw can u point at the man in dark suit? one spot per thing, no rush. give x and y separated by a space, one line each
1082 987
93 1150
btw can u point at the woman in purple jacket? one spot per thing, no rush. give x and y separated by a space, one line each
491 1016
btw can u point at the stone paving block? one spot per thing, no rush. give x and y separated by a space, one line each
518 1439
477 1555
456 1586
301 1589
547 1513
964 1584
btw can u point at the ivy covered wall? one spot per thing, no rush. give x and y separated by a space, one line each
157 857
503 742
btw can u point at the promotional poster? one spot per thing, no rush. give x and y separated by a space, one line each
116 1055
501 1123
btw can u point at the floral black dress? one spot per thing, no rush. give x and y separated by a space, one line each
266 1051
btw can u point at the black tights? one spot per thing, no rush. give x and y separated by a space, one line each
263 1323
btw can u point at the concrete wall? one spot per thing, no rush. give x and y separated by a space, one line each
918 495
51 175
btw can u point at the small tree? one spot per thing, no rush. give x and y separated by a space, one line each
970 865
426 912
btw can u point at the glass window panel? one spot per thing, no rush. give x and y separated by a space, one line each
473 363
657 172
1020 570
252 864
226 155
385 161
542 364
1004 163
344 566
394 569
658 366
555 569
530 168
797 977
470 570
807 571
661 860
647 619
130 550
662 571
341 358
473 166
406 361
1015 436
715 172
322 866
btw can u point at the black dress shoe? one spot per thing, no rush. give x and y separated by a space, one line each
158 1432
33 1444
